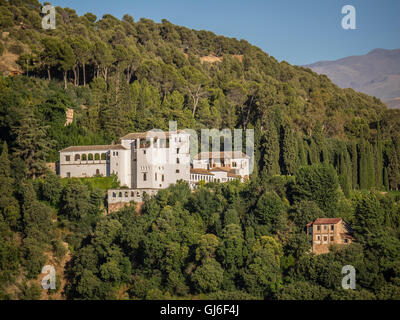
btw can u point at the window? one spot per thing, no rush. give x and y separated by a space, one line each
77 157
90 157
325 227
177 150
68 174
162 178
126 194
145 176
177 171
67 158
234 164
103 156
331 238
332 227
132 194
318 228
177 160
97 171
96 156
346 241
155 176
144 151
84 157
114 195
325 239
318 237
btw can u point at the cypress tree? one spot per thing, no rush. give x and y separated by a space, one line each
378 156
32 143
9 207
344 177
270 146
371 166
354 164
290 151
385 179
394 166
320 143
364 163
302 152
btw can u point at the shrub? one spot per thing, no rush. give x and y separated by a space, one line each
16 49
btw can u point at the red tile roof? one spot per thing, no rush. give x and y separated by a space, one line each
201 171
327 220
94 148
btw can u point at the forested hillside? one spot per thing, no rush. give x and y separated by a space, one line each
320 151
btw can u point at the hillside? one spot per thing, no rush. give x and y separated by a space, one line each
319 152
376 73
244 86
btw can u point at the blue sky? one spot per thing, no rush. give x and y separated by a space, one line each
298 31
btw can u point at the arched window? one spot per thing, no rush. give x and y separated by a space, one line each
97 171
77 157
90 157
103 156
96 156
84 157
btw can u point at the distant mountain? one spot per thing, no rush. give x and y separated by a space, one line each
376 73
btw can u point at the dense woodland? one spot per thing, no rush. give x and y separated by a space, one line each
320 151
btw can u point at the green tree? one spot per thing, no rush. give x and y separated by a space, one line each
9 206
270 150
290 151
31 143
208 276
317 183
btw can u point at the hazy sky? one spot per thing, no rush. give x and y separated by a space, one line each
298 31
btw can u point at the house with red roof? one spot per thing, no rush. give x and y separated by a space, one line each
326 232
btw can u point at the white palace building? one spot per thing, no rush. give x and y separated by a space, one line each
147 162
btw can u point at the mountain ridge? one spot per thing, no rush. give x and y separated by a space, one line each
376 73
